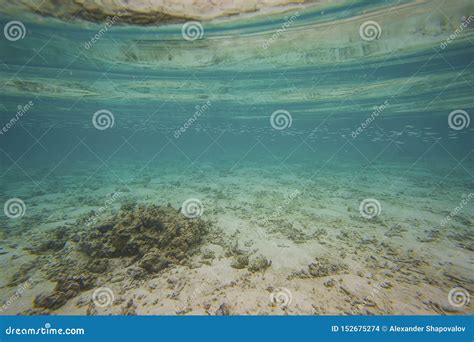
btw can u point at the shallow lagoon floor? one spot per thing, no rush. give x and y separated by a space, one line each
277 239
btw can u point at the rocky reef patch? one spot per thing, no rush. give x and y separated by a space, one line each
137 242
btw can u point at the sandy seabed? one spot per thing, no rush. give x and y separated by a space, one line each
255 240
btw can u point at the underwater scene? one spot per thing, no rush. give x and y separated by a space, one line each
226 157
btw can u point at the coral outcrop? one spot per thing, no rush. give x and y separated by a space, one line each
137 241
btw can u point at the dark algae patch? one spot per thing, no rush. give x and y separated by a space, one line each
139 240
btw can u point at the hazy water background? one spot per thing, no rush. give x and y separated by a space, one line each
153 92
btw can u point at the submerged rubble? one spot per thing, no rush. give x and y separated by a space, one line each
64 290
141 241
321 267
156 236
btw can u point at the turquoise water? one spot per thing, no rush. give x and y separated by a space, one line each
359 119
152 80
